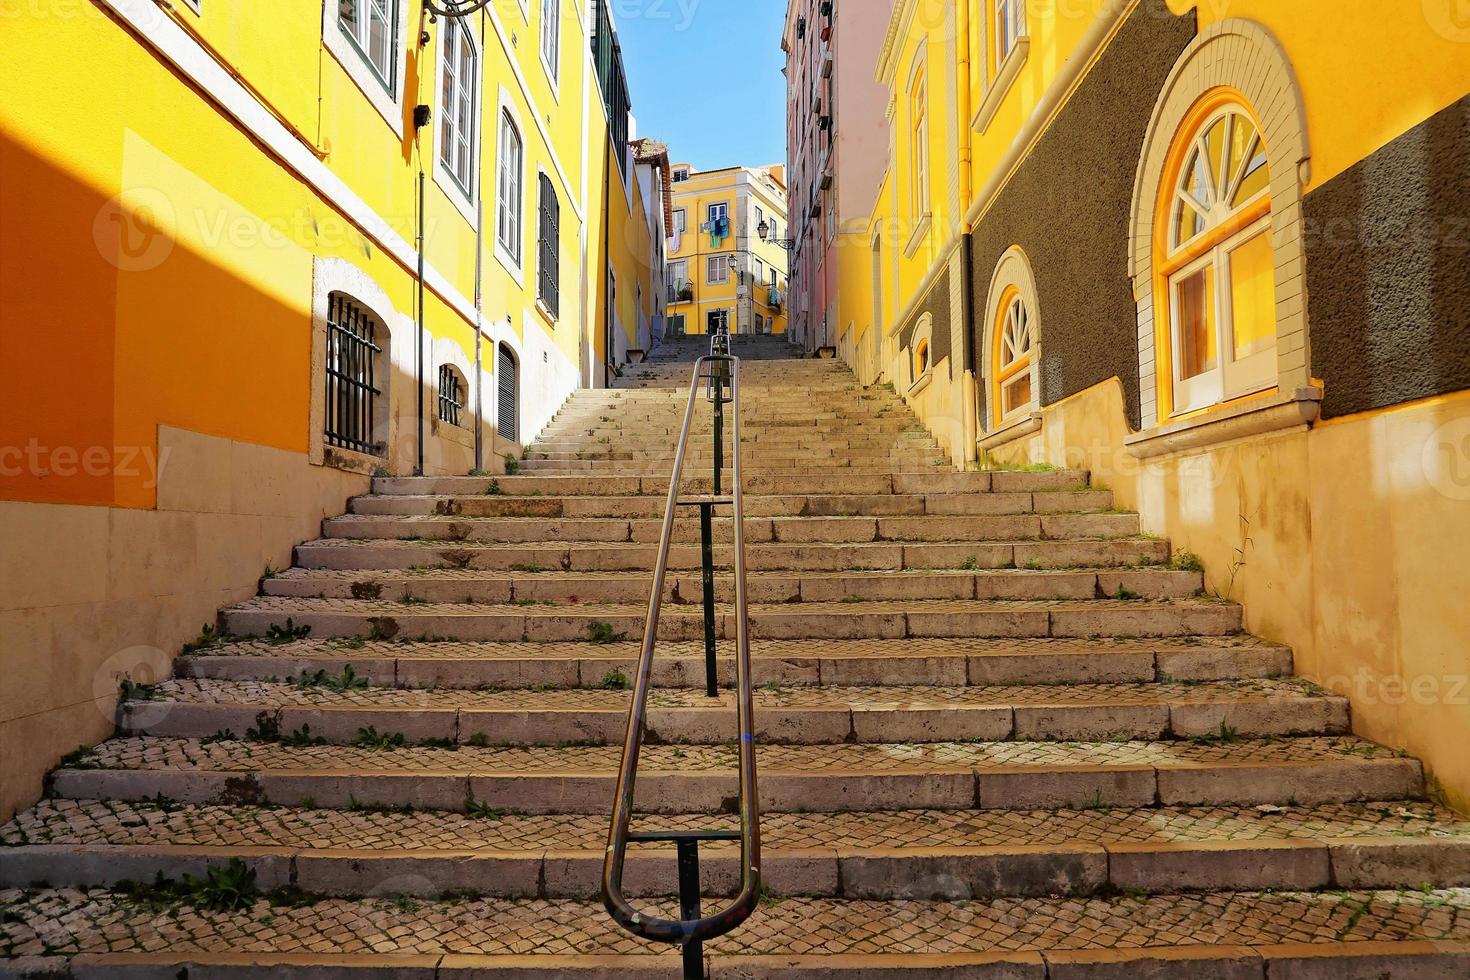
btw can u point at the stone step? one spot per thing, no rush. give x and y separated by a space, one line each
378 619
1350 935
758 530
903 855
808 505
440 585
791 716
353 554
564 437
784 484
927 463
752 457
679 779
790 663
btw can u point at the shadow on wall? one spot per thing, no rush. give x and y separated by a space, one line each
154 444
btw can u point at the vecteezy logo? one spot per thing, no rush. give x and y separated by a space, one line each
134 230
1450 19
1447 459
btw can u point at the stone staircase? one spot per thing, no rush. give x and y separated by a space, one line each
1004 736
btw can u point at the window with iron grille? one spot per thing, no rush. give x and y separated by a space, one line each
451 395
549 275
353 394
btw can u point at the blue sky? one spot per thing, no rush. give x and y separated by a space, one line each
697 66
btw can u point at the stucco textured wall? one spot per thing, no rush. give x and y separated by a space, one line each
1388 271
1068 206
936 304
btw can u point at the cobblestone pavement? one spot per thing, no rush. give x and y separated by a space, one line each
336 649
119 823
77 921
240 756
269 695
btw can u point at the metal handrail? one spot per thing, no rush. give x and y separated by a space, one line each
693 929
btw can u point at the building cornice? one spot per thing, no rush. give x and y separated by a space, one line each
903 14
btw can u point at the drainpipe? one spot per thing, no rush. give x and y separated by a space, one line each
479 286
607 300
418 334
969 396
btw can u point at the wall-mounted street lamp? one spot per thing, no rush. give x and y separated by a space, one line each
764 230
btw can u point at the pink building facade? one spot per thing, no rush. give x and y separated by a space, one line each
837 147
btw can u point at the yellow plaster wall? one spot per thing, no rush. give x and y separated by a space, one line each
1340 541
1369 72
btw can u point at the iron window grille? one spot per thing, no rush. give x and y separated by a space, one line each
352 384
451 395
549 271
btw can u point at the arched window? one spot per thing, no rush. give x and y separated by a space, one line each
921 359
509 389
1012 361
1215 248
1015 357
1217 259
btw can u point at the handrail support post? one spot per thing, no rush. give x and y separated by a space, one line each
689 906
719 433
707 577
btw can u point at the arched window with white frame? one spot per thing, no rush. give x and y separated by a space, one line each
1012 342
1015 355
1217 261
1216 246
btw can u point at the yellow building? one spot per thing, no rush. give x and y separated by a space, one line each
261 252
721 268
1204 251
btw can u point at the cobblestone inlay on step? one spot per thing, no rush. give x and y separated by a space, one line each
92 822
70 922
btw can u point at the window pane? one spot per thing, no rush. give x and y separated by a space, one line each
1216 144
1253 296
1016 393
347 17
1257 178
379 43
1197 348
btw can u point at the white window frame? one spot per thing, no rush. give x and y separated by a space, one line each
758 274
511 254
920 200
551 43
681 221
723 208
1010 29
385 96
679 175
1229 378
717 264
1018 303
463 198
